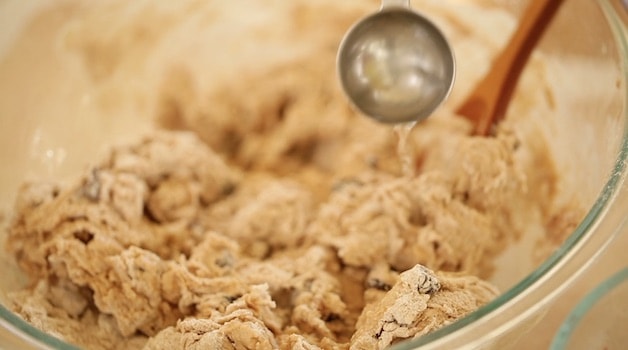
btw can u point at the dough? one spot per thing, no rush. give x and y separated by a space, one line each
418 303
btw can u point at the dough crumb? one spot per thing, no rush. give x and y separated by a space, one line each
421 301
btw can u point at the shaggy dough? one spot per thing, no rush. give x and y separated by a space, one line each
271 273
266 213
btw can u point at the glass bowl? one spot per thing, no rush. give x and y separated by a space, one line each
588 138
599 320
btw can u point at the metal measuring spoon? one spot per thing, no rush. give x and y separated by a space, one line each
395 65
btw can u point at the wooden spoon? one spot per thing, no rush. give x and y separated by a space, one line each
487 103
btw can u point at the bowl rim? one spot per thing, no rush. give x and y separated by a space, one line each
29 334
561 339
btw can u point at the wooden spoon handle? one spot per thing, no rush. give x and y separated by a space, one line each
486 105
